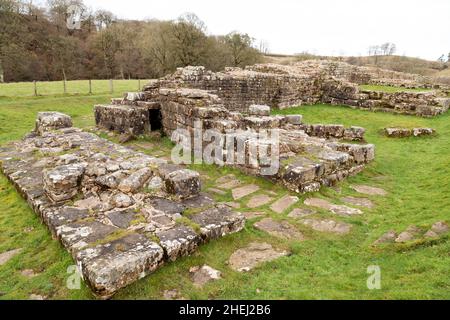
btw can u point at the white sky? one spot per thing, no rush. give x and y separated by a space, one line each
341 27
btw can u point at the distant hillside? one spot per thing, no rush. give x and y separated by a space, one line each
396 63
401 64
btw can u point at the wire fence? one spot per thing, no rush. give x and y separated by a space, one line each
72 87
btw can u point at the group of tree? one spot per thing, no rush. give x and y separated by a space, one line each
40 43
385 49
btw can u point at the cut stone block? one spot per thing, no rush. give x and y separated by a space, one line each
114 265
301 213
283 229
259 201
244 191
47 121
334 208
218 222
410 234
284 203
135 181
361 202
62 183
328 226
259 110
246 259
183 183
388 237
179 241
371 191
203 275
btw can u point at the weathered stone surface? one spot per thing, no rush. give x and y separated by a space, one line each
361 202
284 203
47 121
328 226
298 213
179 241
111 266
218 222
246 259
388 237
202 275
410 234
283 229
371 191
259 201
28 273
183 183
228 185
8 255
254 214
244 191
135 181
334 208
403 132
259 110
217 191
438 229
61 183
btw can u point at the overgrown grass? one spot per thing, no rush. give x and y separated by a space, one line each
391 89
45 88
414 171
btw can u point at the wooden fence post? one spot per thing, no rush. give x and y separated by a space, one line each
64 84
90 86
111 88
35 88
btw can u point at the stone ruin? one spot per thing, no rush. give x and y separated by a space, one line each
311 155
121 214
310 82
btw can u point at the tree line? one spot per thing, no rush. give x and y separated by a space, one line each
40 43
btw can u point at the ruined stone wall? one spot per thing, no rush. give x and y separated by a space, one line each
118 212
238 88
308 82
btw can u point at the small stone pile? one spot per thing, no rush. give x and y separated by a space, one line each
120 213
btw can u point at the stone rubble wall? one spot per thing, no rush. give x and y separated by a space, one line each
316 143
309 82
121 214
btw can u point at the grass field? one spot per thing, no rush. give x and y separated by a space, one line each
414 171
75 87
391 89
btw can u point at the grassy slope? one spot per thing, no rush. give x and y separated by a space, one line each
414 171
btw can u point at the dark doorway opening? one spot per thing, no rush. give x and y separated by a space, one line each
155 119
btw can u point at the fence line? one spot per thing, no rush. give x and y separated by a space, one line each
89 86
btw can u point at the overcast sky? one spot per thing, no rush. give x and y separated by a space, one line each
340 27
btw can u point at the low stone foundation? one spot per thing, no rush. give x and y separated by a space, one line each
121 214
403 132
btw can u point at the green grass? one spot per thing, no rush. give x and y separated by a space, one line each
414 171
45 88
390 89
